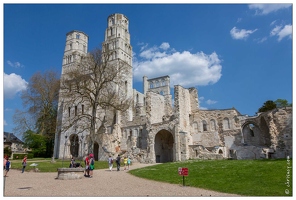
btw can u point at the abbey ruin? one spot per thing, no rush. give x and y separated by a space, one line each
155 129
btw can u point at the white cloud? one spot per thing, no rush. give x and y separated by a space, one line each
12 84
264 9
261 40
241 34
14 64
164 46
184 68
210 102
282 32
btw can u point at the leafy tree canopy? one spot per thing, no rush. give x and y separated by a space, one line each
269 105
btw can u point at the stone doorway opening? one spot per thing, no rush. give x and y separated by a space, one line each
74 145
163 146
96 151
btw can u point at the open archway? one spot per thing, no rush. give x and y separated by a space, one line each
255 135
163 146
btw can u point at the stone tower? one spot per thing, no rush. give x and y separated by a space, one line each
117 42
76 46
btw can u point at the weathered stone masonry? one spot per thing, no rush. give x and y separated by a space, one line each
156 130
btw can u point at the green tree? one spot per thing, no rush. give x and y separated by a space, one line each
280 103
36 142
40 101
268 105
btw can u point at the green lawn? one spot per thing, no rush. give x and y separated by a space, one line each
45 164
244 177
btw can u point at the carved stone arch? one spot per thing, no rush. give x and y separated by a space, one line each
163 146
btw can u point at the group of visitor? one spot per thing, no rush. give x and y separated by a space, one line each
126 163
7 164
89 165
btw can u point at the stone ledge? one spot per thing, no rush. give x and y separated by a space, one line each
70 173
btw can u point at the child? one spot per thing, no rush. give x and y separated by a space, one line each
128 163
7 166
125 162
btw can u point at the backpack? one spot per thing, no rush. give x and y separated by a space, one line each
111 160
92 161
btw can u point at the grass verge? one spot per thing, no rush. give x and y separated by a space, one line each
243 177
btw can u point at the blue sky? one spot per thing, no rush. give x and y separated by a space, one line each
236 55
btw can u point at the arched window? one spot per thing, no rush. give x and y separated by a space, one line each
77 36
195 127
226 125
204 125
213 124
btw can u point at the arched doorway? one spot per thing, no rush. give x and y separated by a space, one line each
163 146
96 151
74 145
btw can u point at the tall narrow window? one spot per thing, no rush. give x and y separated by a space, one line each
125 83
213 124
204 125
77 36
226 124
82 109
137 98
195 127
69 111
75 110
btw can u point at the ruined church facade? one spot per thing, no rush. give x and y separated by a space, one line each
156 129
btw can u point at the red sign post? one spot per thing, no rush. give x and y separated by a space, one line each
183 172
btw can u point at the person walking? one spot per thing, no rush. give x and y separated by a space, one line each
128 163
24 163
91 165
110 162
125 163
7 166
118 162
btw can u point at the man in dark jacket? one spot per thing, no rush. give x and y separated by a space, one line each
118 162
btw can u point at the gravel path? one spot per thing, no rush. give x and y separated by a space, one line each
103 184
